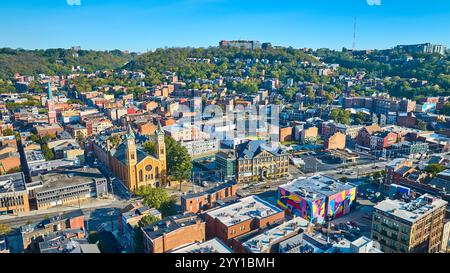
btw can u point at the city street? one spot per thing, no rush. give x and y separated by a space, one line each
354 175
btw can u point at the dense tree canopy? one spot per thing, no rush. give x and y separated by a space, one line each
434 169
157 198
341 116
57 61
179 162
4 229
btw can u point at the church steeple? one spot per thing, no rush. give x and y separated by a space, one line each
130 133
130 143
160 143
159 130
49 90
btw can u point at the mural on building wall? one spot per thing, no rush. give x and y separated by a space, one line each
313 211
341 203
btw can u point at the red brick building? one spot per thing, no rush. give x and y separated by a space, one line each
363 138
32 233
406 120
249 213
402 172
382 140
146 128
199 202
173 232
44 130
285 134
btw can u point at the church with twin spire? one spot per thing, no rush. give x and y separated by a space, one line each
129 162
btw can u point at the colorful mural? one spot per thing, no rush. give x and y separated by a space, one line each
316 211
341 203
313 211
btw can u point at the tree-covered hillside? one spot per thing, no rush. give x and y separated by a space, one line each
58 61
289 63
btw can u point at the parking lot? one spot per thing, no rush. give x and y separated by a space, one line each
355 224
316 162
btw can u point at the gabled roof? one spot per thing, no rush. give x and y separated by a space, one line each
253 148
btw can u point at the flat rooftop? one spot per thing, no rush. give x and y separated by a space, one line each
41 224
246 208
170 224
144 210
395 162
57 243
66 177
361 241
264 241
411 211
209 191
306 243
316 187
34 156
36 166
212 246
12 183
48 126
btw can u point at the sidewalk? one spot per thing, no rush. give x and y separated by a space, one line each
94 203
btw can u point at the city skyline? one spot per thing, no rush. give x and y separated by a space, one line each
147 25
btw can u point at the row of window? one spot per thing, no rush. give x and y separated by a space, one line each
149 176
11 201
234 231
264 160
62 196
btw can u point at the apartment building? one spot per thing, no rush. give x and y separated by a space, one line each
414 227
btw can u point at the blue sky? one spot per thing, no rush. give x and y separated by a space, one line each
138 25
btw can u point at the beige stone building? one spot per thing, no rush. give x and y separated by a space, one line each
131 163
258 160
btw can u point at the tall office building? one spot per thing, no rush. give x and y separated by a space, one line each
426 48
241 43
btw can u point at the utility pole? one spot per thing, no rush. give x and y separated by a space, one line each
354 35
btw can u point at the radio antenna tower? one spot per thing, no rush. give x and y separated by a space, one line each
354 35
